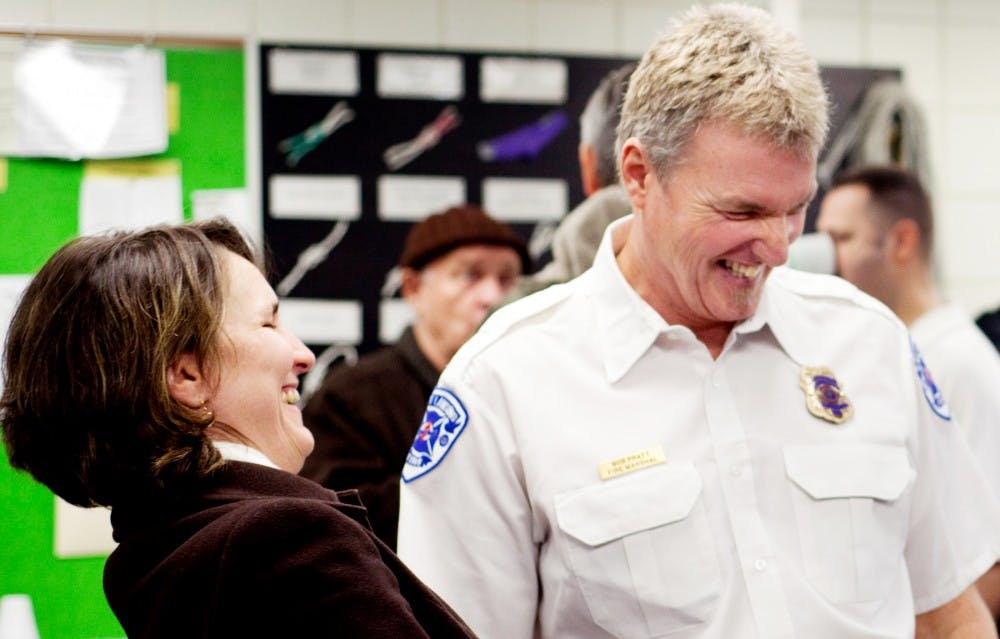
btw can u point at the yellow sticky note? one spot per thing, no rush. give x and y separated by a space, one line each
3 175
144 168
635 461
173 107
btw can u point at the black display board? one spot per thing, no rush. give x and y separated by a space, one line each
356 269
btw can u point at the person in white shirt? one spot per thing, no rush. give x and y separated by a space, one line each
882 225
688 441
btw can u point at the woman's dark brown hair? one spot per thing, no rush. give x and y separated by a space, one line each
85 407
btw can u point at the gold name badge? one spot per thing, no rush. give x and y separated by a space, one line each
635 461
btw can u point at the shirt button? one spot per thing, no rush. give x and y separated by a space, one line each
760 565
735 470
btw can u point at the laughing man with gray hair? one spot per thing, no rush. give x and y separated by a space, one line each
687 440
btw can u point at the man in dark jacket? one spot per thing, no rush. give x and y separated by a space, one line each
456 266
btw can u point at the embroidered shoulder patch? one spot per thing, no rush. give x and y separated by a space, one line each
932 393
443 422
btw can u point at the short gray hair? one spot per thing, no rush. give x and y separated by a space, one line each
729 63
599 121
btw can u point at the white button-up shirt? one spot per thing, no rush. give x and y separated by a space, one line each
967 368
726 509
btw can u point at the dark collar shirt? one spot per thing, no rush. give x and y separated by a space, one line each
259 552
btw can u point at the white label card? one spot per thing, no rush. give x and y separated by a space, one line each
525 199
315 197
317 321
436 77
313 72
410 198
531 80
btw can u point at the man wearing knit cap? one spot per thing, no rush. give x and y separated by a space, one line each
457 265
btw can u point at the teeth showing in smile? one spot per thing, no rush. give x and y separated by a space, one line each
290 396
742 270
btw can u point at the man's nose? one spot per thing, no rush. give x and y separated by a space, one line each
772 244
490 291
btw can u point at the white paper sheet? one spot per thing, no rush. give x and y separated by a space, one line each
530 80
11 288
66 99
130 195
315 197
317 321
82 532
10 49
313 72
525 199
414 197
435 77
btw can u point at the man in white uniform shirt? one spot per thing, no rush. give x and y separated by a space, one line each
681 442
882 225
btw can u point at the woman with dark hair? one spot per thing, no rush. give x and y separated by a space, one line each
149 372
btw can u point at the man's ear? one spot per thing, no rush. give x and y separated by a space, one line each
186 382
411 283
636 170
588 168
904 240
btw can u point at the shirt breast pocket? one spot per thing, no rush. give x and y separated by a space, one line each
641 550
852 506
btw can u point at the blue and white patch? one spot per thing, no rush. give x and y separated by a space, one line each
443 422
932 393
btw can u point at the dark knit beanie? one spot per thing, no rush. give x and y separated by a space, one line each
458 226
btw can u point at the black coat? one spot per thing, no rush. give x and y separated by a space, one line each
364 418
263 553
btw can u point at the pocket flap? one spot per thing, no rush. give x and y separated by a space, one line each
849 470
646 499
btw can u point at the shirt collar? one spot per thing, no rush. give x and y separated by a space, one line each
629 325
234 451
782 316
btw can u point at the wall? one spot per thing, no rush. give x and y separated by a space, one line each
943 46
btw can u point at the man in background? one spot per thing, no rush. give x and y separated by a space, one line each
882 225
456 266
687 441
579 233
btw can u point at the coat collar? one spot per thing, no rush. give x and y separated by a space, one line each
234 481
421 366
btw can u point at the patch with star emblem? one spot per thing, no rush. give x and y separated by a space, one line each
824 396
932 393
444 421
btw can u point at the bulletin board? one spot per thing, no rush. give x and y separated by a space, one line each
38 213
328 118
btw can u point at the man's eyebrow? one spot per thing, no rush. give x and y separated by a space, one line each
748 205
